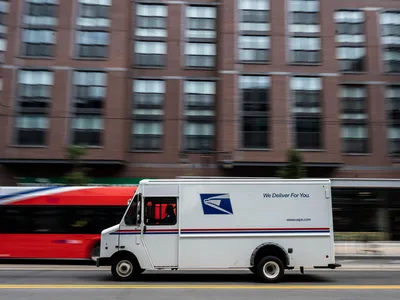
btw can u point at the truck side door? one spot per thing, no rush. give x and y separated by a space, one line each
160 231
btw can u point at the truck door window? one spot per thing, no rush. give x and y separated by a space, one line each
131 214
160 211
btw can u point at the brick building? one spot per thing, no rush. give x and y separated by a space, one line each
205 87
163 88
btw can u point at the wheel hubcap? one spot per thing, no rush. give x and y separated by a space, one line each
271 269
124 268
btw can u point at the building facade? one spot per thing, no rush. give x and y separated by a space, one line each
163 88
169 88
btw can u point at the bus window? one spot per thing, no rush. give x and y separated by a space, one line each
14 220
59 219
48 220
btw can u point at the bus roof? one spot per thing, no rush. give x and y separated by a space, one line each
66 195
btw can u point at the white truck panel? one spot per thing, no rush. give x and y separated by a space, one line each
292 215
164 190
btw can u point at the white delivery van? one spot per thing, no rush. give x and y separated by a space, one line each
265 225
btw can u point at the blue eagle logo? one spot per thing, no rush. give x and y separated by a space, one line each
216 204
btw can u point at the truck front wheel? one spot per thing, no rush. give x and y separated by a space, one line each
270 269
124 268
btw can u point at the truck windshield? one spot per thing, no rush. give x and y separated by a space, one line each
130 216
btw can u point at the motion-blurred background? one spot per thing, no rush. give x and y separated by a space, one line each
161 89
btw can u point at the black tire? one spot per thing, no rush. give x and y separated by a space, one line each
270 269
125 268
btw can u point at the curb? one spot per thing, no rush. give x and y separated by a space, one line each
367 256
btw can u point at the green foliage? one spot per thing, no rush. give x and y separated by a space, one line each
294 169
77 176
75 152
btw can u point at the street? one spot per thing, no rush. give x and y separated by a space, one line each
369 279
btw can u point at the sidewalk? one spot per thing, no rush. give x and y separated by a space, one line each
370 249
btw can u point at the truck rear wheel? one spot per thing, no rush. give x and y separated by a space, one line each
124 268
270 269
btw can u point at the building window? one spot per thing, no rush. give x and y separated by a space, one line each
200 55
351 59
151 20
393 117
94 13
41 13
201 22
199 115
147 114
254 48
390 28
354 115
33 105
4 9
200 52
304 16
150 54
38 43
254 15
307 96
39 35
305 49
92 44
92 37
255 111
350 27
88 107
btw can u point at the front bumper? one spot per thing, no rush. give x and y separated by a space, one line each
330 266
103 261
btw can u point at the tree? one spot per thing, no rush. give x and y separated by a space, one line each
77 176
294 169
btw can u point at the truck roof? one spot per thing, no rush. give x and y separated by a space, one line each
237 180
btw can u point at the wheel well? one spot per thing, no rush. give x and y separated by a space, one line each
269 249
126 254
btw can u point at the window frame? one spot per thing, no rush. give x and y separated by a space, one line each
93 134
145 216
349 119
390 66
311 53
313 114
393 120
148 118
139 57
244 48
261 115
39 113
199 120
198 56
137 20
79 47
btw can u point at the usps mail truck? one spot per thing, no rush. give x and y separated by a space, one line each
264 225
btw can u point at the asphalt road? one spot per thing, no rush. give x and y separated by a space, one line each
370 279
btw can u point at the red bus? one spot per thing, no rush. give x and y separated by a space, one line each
58 222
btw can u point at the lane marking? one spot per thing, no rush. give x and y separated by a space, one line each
215 287
348 269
